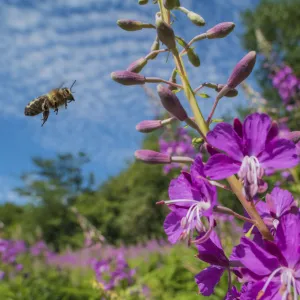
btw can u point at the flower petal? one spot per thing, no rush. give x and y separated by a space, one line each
279 154
204 189
280 201
224 137
208 279
272 292
238 127
288 238
172 227
254 258
273 132
233 294
220 166
180 187
255 131
211 251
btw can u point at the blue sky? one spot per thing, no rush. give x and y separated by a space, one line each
46 43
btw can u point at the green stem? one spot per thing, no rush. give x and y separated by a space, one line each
234 183
190 94
249 206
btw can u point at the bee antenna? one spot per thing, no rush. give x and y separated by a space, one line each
72 85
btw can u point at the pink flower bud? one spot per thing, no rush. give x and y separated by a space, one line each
137 65
171 103
165 33
152 157
132 25
230 93
148 126
220 30
128 78
242 70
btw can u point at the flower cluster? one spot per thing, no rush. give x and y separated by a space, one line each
287 84
181 144
267 258
111 272
10 250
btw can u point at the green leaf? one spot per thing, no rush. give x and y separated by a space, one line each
203 95
217 120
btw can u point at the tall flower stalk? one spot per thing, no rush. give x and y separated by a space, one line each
242 153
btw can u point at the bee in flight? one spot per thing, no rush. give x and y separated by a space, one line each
54 99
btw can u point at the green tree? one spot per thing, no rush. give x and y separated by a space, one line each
124 207
278 21
51 189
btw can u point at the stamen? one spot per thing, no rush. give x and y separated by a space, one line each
250 172
287 280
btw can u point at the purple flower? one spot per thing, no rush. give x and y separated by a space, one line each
38 248
278 203
273 266
250 149
2 274
180 145
211 252
192 198
287 84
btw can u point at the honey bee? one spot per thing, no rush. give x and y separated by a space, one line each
54 99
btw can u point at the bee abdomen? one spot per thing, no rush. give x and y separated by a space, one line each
35 107
29 111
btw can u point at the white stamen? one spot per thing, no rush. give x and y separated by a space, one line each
287 280
250 172
193 214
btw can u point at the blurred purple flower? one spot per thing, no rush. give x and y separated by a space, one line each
181 145
287 84
38 248
111 272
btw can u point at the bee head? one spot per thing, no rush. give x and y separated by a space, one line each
68 92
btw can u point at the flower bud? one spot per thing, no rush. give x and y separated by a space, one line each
231 93
154 47
131 25
128 78
171 103
152 157
220 30
137 65
148 126
143 2
242 70
193 57
196 19
171 4
165 33
173 79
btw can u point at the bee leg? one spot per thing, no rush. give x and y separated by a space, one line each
56 108
66 105
45 116
46 112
